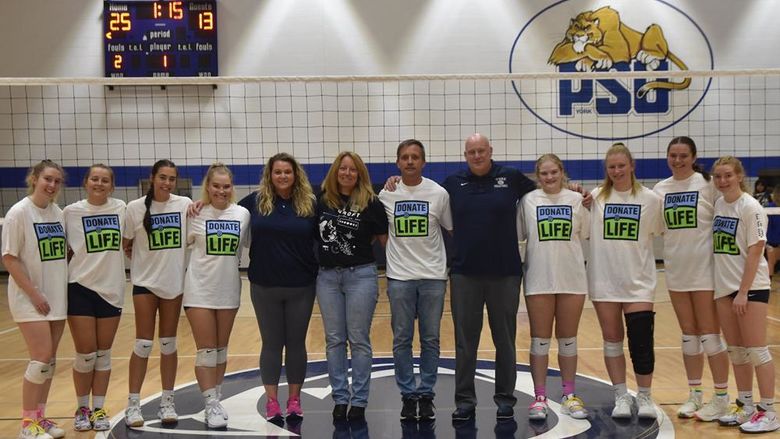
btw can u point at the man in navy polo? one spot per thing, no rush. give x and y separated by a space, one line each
486 271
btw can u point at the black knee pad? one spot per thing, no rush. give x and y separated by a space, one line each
639 327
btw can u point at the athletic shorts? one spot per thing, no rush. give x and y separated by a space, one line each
140 290
754 296
84 302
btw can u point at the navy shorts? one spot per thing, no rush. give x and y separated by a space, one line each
755 296
84 302
140 290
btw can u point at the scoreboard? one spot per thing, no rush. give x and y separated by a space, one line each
145 38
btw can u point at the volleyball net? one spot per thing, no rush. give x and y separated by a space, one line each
242 121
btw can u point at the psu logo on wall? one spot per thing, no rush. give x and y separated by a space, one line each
607 38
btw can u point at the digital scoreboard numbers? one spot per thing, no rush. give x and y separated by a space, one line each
160 38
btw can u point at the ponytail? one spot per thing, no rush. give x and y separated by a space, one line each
700 169
163 163
148 213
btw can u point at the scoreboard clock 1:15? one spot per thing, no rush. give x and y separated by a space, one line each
160 38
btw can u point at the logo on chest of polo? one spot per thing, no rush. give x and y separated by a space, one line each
101 233
554 223
51 241
411 218
222 237
621 221
680 210
166 231
724 235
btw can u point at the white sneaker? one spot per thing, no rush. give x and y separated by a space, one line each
100 420
133 416
761 422
645 407
573 406
215 414
738 414
33 431
623 405
537 411
713 410
51 428
81 420
690 406
167 411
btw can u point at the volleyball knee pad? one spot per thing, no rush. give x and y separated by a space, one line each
613 348
103 359
738 355
206 357
640 327
167 345
691 345
37 372
142 348
759 355
84 363
222 355
567 347
540 346
712 344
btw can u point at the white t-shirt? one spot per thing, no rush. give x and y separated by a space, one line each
95 236
621 264
215 239
687 209
735 228
158 260
36 237
415 215
554 225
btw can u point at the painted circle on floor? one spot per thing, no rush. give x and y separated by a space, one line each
244 399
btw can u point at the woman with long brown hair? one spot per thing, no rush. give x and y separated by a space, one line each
154 236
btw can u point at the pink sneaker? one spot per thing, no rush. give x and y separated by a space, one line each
272 410
294 407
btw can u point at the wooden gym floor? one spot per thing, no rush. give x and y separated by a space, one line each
669 385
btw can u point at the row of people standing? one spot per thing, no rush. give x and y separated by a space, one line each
620 278
346 219
713 246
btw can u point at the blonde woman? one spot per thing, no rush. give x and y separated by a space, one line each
742 294
96 291
621 276
350 217
34 252
554 222
282 272
212 286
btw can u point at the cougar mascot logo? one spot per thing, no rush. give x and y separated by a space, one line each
596 40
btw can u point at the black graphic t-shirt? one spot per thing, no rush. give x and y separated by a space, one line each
345 236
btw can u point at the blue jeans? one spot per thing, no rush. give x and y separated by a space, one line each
347 299
422 299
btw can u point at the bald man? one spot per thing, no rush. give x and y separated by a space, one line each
486 271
